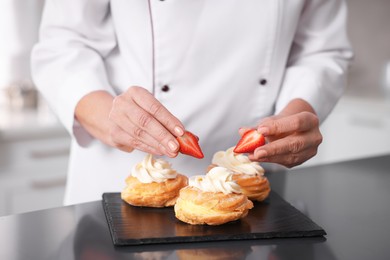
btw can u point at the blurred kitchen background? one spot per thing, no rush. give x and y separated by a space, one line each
34 147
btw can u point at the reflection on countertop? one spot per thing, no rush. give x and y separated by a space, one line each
348 199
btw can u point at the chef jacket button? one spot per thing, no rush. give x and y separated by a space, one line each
263 82
165 88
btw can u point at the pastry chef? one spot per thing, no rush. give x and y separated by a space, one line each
127 77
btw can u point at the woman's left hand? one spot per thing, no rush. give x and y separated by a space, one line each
292 137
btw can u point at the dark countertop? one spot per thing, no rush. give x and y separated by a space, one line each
350 200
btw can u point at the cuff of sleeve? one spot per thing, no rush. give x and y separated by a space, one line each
320 88
70 93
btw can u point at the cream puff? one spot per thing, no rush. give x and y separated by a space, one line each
153 183
249 175
212 199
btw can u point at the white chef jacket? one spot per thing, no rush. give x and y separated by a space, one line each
227 64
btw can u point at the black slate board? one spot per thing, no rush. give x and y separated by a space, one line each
273 218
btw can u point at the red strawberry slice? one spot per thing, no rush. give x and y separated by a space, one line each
189 145
249 141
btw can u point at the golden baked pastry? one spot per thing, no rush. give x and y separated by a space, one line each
213 199
195 206
255 187
153 183
153 194
249 175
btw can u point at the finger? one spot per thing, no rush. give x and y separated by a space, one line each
291 144
288 160
125 124
149 103
300 122
139 134
136 122
125 142
269 118
145 138
147 125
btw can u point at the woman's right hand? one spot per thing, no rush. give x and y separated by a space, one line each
140 121
133 120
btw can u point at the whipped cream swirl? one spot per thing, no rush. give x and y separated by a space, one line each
236 162
153 170
218 179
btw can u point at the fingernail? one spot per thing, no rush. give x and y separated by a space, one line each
172 146
179 131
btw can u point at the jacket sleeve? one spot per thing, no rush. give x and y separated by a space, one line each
319 57
67 62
